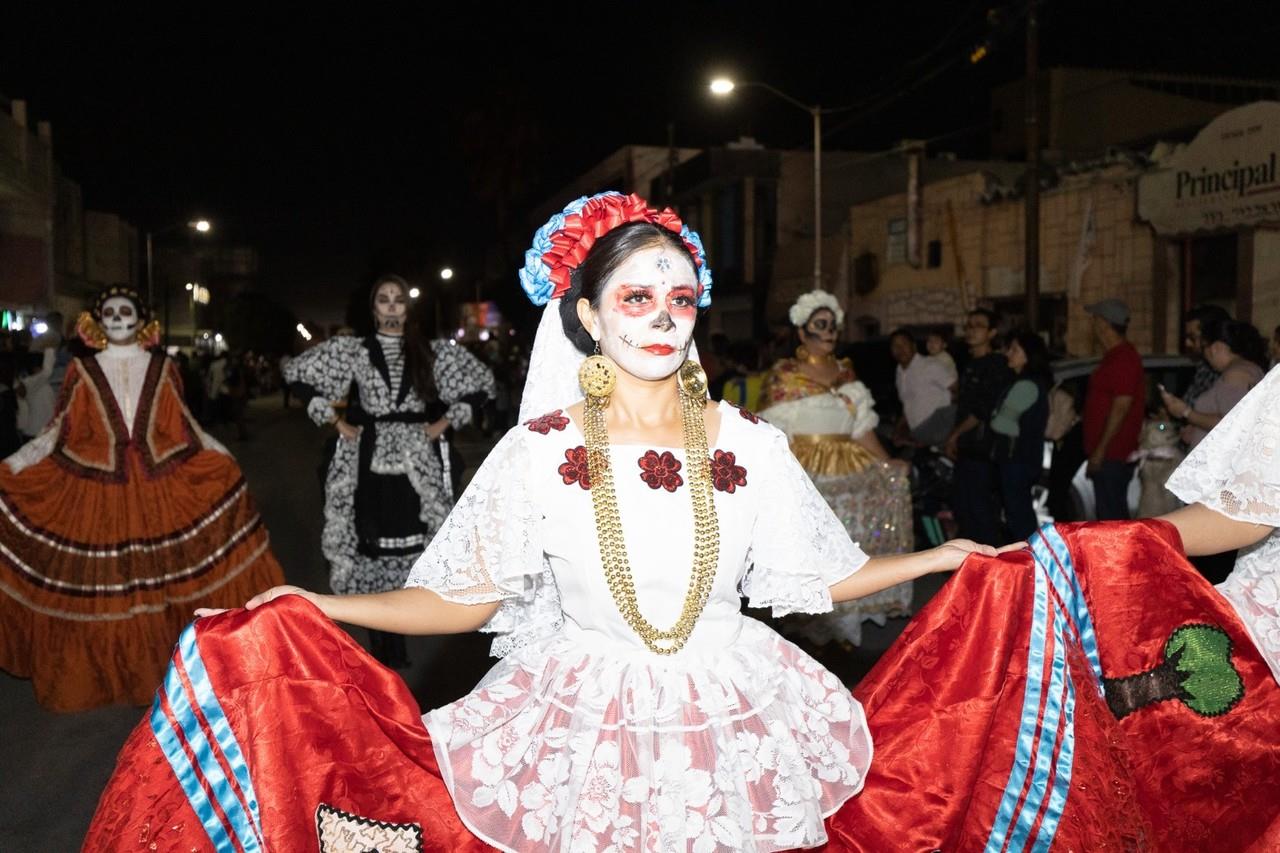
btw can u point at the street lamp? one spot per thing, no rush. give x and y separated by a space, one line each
414 293
724 86
446 273
201 226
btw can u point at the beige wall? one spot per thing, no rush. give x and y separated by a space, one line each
1266 280
988 246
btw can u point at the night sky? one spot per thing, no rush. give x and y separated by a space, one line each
341 145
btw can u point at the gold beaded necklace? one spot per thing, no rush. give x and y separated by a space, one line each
604 501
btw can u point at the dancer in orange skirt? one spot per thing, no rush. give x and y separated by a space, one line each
115 521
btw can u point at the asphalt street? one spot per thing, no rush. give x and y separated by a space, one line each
54 766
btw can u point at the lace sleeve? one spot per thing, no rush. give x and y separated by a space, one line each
43 444
490 549
324 373
465 382
799 549
1235 470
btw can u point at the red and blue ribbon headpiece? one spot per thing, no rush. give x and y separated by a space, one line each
561 245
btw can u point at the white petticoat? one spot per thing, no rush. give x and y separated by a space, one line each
580 743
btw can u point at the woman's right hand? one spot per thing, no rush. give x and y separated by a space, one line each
263 597
346 430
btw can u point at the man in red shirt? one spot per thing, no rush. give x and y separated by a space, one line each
1113 409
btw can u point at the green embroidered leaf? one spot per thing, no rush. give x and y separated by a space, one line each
1202 655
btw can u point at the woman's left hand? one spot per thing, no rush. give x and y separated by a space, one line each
949 555
435 430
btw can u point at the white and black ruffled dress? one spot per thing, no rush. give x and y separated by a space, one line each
389 491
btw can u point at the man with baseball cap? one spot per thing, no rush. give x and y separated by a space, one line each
1113 409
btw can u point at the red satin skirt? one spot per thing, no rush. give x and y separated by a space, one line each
1095 694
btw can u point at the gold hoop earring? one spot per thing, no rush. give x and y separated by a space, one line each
597 375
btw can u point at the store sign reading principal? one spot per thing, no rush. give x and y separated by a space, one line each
1236 180
1225 178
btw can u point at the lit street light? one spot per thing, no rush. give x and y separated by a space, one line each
201 225
724 86
414 293
446 273
721 86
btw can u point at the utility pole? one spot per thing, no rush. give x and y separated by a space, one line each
1032 252
669 184
817 196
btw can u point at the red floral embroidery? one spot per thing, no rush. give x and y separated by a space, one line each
574 469
726 474
552 421
661 470
748 414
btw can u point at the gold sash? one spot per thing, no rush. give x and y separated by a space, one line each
830 454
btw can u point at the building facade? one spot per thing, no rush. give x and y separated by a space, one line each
54 254
1130 226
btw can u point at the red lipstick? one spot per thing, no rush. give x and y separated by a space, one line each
659 349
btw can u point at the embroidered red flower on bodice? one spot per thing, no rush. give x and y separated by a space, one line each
550 421
726 474
574 469
749 415
661 470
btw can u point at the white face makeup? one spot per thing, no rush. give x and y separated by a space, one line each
820 332
648 307
120 320
389 308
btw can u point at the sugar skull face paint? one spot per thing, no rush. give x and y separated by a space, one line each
389 308
647 311
120 320
820 332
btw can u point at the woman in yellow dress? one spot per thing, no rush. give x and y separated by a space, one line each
830 418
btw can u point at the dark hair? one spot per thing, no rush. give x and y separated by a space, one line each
903 332
1208 313
1242 338
1038 368
419 358
993 319
1276 334
609 253
128 292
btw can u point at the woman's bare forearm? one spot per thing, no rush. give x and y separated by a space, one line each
881 573
406 611
1206 531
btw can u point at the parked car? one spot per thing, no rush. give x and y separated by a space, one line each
1072 375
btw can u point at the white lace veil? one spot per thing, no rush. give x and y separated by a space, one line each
552 382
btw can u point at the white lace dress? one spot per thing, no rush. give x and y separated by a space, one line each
580 738
1235 470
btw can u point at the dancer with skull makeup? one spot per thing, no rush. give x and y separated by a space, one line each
606 543
830 418
388 487
116 520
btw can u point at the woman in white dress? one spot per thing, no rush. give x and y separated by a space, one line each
1231 482
607 544
829 418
